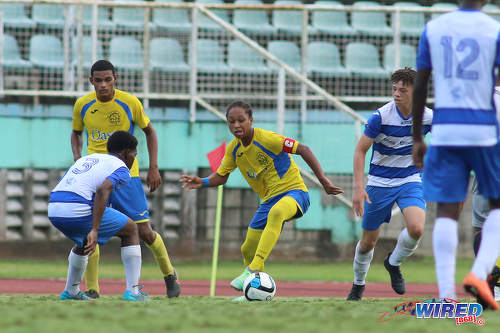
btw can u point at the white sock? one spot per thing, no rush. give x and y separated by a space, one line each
131 258
361 265
444 245
76 269
404 248
490 246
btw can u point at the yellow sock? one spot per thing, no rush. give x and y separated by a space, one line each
160 253
498 262
250 245
92 272
283 210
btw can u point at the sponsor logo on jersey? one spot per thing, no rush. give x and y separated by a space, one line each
97 135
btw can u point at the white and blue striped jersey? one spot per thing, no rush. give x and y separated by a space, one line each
391 163
462 49
73 196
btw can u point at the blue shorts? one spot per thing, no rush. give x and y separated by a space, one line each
131 201
77 229
447 172
259 220
383 199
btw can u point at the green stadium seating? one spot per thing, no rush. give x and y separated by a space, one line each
443 5
172 19
323 60
166 56
11 58
50 16
362 60
370 23
412 24
210 57
125 53
491 6
241 58
287 52
14 16
252 21
46 52
408 57
289 21
129 18
331 22
103 21
86 51
207 24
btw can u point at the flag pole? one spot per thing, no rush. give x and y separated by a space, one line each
215 254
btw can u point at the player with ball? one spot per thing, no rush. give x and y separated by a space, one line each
264 159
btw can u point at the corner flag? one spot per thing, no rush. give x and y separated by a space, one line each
214 159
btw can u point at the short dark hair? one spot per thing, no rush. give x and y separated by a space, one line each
407 75
121 140
240 104
102 65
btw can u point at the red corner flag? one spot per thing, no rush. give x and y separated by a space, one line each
215 156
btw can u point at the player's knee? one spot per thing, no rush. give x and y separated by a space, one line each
367 245
146 233
275 216
416 232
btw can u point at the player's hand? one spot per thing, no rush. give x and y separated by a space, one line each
358 202
191 182
418 153
330 188
153 179
91 242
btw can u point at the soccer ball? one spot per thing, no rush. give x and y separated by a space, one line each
259 286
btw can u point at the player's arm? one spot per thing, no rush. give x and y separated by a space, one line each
419 100
360 195
313 163
100 202
194 182
76 144
153 178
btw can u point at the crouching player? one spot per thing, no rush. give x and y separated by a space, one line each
77 207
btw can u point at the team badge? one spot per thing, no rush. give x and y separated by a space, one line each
114 118
262 158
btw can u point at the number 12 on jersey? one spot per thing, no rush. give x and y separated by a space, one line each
469 45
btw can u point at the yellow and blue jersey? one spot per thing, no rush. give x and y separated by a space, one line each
101 119
265 163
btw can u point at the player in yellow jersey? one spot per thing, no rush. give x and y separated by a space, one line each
263 158
101 113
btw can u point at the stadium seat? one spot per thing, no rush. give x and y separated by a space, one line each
241 58
166 56
207 24
412 24
172 19
50 16
287 52
129 18
362 60
323 60
289 21
126 54
11 58
252 21
46 52
331 22
491 6
443 5
210 57
14 16
103 21
86 51
408 57
370 23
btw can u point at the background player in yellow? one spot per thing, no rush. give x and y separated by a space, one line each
263 158
101 113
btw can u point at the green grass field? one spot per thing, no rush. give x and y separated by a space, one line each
36 313
415 271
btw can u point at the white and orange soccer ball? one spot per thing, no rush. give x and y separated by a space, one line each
259 286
